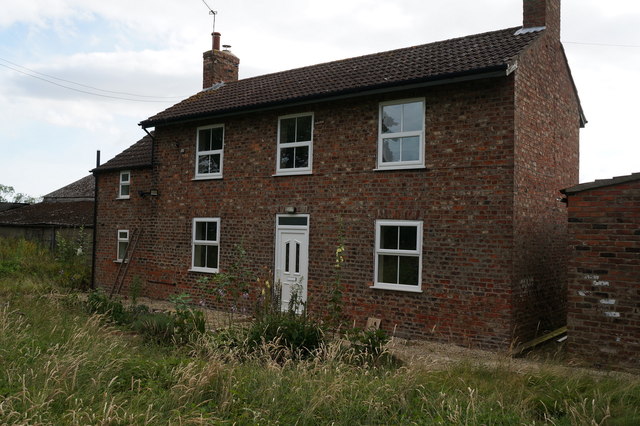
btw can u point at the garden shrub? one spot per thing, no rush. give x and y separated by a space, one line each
74 260
159 327
367 341
368 346
287 330
100 303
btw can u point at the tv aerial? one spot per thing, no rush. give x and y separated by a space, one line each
211 12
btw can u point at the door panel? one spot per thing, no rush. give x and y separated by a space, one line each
292 251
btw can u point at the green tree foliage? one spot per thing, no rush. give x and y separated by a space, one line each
9 195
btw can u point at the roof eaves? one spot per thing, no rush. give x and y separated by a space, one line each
106 168
41 224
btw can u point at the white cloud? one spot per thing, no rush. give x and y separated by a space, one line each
154 47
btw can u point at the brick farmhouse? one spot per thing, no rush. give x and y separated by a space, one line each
603 319
437 166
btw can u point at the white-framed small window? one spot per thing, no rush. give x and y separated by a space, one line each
209 151
123 244
125 184
295 144
398 255
205 244
401 134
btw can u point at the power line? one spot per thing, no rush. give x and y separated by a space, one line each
78 90
31 73
89 87
158 99
603 44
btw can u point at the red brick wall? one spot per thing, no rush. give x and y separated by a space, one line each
546 160
604 275
465 198
219 66
542 13
115 214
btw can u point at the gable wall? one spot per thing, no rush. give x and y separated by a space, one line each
114 214
604 276
464 197
546 153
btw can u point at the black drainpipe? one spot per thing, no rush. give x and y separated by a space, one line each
95 222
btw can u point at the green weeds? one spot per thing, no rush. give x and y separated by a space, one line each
69 267
66 360
164 328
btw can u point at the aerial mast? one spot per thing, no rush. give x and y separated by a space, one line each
212 12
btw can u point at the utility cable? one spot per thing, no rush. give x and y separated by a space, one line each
30 73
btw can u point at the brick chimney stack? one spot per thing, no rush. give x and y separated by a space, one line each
219 65
542 13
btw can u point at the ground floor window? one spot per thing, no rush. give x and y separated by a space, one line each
398 255
123 243
205 244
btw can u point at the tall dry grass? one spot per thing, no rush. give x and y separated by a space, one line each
61 365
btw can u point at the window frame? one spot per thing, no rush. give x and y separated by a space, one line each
410 164
195 242
418 224
123 183
218 175
279 146
120 256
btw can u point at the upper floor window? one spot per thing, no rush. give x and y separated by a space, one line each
205 244
295 144
123 244
125 184
398 262
401 134
209 151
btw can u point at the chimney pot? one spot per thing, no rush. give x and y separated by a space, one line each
218 65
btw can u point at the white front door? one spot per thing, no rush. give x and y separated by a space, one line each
292 259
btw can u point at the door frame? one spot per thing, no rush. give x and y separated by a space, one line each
304 272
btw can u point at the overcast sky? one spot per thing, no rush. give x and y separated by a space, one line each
78 76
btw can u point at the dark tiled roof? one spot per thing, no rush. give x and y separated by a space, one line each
9 206
73 213
136 156
493 51
601 183
82 189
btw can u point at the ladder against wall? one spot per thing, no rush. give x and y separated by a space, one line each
126 261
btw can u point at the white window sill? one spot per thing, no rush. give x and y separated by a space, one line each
412 167
123 198
121 260
207 177
204 270
392 287
301 173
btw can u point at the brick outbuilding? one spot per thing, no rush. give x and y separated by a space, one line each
437 166
603 320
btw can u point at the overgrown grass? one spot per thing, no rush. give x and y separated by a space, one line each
25 265
24 259
63 365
